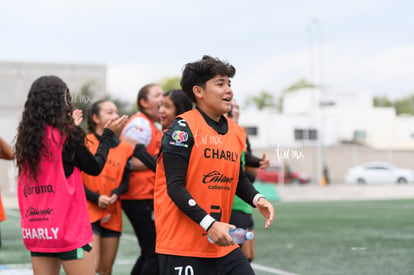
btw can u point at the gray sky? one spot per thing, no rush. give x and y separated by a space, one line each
362 45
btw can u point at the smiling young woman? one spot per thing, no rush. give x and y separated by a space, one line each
198 173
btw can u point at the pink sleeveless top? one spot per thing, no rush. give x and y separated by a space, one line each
54 215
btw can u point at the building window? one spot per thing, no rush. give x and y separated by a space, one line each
251 130
360 135
299 134
306 134
312 134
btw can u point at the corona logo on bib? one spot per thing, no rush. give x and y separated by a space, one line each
39 189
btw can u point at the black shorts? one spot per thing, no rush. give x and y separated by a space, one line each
97 229
242 220
234 263
75 254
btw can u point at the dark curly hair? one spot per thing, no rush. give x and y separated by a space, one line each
48 103
199 72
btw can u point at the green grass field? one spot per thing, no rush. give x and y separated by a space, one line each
346 237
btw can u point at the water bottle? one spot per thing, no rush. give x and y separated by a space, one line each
239 235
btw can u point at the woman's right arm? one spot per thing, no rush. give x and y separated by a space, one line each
90 195
93 164
143 159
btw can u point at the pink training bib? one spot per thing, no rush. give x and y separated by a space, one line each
54 215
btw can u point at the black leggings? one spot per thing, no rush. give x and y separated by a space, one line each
141 215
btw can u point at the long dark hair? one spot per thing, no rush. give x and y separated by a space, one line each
181 101
48 103
94 110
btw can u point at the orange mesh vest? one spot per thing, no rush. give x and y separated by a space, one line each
212 177
106 181
141 183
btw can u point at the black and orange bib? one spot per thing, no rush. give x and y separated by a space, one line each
212 177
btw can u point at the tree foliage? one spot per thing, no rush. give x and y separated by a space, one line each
382 101
402 106
266 99
124 107
168 83
84 99
263 100
299 84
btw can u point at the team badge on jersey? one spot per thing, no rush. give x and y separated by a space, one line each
179 137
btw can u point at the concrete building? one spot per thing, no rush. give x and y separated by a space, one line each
15 81
310 117
339 129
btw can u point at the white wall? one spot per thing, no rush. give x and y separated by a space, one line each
17 77
378 123
274 128
15 81
300 101
405 127
308 101
352 112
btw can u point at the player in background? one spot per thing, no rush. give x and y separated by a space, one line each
241 214
138 201
174 103
103 191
